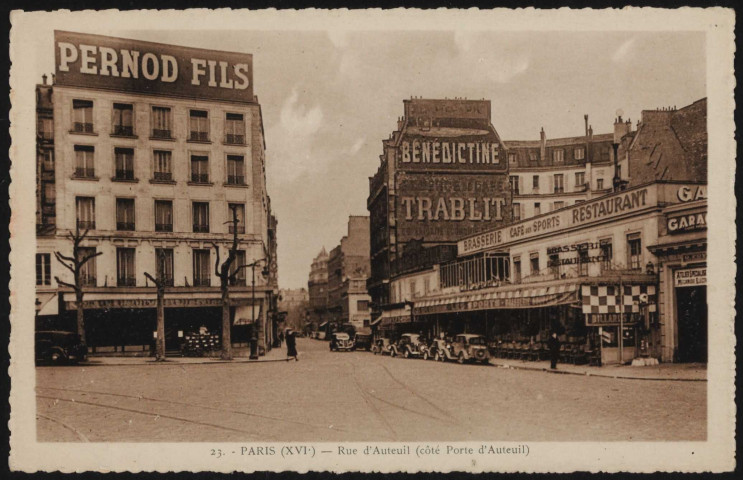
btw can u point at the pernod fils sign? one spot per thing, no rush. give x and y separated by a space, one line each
96 61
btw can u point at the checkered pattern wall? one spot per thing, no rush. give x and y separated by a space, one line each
608 299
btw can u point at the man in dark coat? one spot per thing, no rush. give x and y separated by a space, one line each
291 346
554 345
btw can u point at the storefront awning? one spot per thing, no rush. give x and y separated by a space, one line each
245 316
397 316
499 299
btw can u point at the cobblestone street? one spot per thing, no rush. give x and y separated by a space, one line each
357 396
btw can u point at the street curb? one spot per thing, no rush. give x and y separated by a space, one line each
176 362
589 374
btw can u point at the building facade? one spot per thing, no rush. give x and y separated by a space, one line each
154 147
348 271
318 290
293 303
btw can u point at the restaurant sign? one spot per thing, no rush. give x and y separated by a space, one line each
152 303
690 277
96 61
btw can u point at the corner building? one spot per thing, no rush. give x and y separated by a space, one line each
152 146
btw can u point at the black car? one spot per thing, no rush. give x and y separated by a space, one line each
57 347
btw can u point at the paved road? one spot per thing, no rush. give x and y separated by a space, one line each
357 396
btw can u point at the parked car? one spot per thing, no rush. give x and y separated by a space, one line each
409 346
381 346
57 347
468 347
340 341
363 339
440 350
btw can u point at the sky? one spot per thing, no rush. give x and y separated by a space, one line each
329 99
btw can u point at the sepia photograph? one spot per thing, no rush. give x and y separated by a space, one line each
360 241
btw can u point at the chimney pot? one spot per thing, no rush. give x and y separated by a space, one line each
43 78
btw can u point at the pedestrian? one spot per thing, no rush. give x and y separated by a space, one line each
291 346
554 346
281 338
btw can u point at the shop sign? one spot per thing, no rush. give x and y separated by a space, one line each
690 193
583 214
450 154
445 208
446 109
152 303
687 222
612 319
694 257
499 303
97 61
690 277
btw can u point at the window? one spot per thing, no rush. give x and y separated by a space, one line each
234 128
85 211
164 265
163 216
514 180
82 116
554 263
48 160
199 125
600 184
533 158
559 205
535 183
559 185
240 211
124 159
84 166
239 260
516 212
199 169
580 180
583 260
516 269
43 269
125 214
512 158
125 267
534 263
537 208
235 170
45 128
201 268
161 125
607 254
558 157
580 153
413 292
200 217
88 269
362 305
163 166
634 251
123 119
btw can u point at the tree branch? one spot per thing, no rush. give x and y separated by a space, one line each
89 257
64 257
71 268
152 278
216 263
65 284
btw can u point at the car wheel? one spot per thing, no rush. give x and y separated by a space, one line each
460 358
407 354
56 357
425 355
392 352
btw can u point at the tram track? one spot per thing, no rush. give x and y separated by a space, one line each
67 426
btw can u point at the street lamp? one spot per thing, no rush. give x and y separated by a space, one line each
253 351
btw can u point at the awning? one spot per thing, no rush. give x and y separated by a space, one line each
389 318
49 304
499 299
244 317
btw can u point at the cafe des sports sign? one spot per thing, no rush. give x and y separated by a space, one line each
152 303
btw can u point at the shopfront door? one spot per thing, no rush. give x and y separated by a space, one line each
691 305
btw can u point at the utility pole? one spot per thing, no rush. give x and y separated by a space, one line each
160 286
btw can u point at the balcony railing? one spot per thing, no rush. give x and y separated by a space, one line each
127 281
167 280
124 130
45 135
199 136
80 127
559 190
86 224
88 281
124 175
163 227
163 176
81 172
200 177
202 282
160 133
234 139
240 229
201 228
235 180
126 226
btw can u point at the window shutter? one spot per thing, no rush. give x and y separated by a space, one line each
521 185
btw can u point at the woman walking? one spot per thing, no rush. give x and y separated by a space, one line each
291 346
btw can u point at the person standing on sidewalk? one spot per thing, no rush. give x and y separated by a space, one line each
554 345
291 346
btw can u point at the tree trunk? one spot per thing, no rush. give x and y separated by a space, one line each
226 324
160 341
80 317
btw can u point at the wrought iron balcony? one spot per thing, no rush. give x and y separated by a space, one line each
235 180
81 172
234 139
81 127
86 224
201 228
199 136
163 176
126 226
126 281
163 227
124 130
200 177
124 175
160 133
202 282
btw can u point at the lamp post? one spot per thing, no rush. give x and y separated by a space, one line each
253 351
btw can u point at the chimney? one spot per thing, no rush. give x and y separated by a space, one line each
43 79
542 144
585 117
621 129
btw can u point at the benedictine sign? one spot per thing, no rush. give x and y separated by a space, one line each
95 61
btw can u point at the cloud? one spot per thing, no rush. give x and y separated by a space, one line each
356 146
498 65
623 51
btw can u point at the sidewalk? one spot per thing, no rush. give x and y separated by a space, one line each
682 372
240 355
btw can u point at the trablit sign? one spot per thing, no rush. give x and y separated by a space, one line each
96 61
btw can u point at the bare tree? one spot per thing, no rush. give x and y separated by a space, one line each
75 265
160 286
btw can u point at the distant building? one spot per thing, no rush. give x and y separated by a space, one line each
348 270
317 288
293 302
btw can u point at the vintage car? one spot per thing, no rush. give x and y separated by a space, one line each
341 341
56 347
363 339
381 346
409 346
465 347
